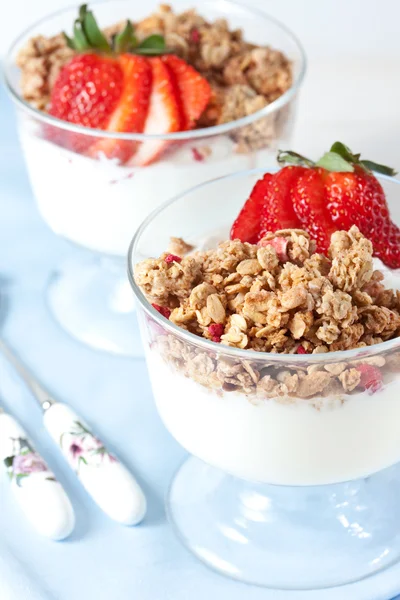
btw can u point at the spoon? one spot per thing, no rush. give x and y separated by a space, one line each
37 491
105 478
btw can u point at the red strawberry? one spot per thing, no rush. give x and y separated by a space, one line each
110 86
163 116
309 202
193 90
86 92
131 110
247 225
371 377
278 212
353 196
358 198
387 248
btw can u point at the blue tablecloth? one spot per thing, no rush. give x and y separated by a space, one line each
101 560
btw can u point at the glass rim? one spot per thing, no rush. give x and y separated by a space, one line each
238 353
179 135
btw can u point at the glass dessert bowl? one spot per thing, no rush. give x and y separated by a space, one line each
293 481
96 201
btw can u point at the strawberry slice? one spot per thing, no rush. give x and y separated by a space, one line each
309 203
130 113
86 92
163 116
246 228
193 90
278 212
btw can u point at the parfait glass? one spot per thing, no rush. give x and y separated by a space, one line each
97 203
294 492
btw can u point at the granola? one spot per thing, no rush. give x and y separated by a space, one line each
244 78
274 297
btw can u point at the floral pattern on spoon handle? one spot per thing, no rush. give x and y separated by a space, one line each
35 487
109 483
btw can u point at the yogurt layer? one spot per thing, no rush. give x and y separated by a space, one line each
278 442
99 204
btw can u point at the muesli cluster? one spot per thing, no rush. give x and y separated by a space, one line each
244 77
278 296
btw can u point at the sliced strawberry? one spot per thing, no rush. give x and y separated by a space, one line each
309 203
247 225
357 198
130 113
86 92
193 90
278 212
163 116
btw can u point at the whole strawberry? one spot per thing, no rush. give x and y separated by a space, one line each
338 191
341 190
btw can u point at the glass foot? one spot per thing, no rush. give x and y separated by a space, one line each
94 303
287 537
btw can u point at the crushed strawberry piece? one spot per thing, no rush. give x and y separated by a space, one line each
301 350
197 155
216 330
195 35
280 245
172 258
371 378
163 310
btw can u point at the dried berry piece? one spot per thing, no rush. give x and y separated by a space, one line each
216 330
163 310
371 377
170 258
301 350
279 244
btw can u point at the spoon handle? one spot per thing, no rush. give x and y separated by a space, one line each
39 393
39 494
110 484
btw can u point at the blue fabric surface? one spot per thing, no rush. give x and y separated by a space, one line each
101 560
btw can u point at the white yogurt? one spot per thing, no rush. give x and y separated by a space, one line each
276 442
99 204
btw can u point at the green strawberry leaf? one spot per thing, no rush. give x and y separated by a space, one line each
293 158
344 152
372 166
96 38
80 40
157 42
152 45
69 41
334 162
125 40
87 36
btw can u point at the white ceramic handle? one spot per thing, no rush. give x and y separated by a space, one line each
109 483
40 495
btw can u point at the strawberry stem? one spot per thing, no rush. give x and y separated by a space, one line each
87 36
293 158
339 159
